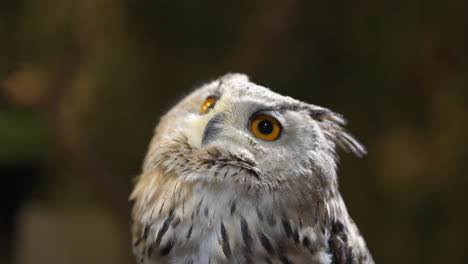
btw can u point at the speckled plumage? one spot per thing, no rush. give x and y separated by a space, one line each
211 192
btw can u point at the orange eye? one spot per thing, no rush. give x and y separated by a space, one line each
266 127
208 105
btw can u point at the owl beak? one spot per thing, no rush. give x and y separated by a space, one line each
212 129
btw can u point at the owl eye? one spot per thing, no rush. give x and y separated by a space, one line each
208 105
266 127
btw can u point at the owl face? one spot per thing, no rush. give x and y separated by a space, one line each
249 136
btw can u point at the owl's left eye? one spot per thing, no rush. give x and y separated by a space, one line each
208 105
266 127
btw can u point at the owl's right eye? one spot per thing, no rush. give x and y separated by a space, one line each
208 105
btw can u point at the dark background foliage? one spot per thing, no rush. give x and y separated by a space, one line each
82 84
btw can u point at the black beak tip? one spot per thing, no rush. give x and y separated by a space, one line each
212 129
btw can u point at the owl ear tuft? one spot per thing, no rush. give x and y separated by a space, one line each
332 123
322 114
234 76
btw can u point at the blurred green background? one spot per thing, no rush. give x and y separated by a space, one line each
82 84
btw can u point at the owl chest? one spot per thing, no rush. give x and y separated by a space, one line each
214 227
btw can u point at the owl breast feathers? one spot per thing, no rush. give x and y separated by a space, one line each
239 174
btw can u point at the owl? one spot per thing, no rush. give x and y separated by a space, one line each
236 173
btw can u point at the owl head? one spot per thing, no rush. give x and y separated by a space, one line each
233 132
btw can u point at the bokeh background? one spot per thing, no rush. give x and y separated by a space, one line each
82 84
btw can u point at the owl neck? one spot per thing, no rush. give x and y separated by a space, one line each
171 215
